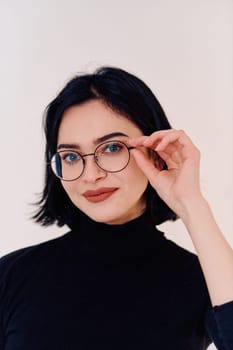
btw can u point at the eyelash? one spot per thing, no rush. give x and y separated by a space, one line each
65 156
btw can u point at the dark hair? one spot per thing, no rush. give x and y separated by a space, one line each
124 93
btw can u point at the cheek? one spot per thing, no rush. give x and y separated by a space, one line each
70 187
135 169
133 176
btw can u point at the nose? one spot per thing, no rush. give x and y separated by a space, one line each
92 172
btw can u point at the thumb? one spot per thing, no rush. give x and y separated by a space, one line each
145 164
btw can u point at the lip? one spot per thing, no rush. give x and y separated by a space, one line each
99 195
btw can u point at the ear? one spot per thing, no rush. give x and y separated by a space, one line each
157 160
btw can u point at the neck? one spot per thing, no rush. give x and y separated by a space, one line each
135 237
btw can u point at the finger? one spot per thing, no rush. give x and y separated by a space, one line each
173 161
155 138
151 141
172 154
171 140
161 139
145 164
137 141
177 137
156 159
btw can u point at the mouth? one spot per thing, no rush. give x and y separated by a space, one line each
99 195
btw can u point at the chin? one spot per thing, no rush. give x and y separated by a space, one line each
113 213
114 218
106 219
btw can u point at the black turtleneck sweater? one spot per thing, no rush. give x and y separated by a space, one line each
108 287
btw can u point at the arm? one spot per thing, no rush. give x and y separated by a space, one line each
214 253
179 187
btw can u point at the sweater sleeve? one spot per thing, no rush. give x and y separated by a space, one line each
219 324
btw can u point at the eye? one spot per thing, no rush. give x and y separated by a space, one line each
70 157
113 147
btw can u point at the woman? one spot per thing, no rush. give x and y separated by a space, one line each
115 169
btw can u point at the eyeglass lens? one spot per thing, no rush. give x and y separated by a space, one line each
111 156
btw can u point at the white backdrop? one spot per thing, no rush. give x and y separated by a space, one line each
182 49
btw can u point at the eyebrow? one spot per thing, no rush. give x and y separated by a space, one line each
96 141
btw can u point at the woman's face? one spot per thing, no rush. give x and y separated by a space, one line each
83 126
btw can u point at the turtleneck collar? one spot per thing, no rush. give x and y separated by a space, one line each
134 238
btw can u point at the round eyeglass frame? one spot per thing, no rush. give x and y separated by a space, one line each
82 156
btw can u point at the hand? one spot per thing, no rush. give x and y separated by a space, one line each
179 184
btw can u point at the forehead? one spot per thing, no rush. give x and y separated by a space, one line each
91 120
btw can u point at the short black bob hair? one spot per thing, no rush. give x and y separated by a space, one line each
124 93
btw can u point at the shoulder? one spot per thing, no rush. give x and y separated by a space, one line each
23 259
180 254
181 263
175 253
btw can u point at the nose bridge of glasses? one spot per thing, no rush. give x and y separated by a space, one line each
90 154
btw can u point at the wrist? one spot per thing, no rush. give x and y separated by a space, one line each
193 209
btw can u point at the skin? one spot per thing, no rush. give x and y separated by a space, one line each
83 124
178 186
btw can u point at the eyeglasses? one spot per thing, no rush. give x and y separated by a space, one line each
111 156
